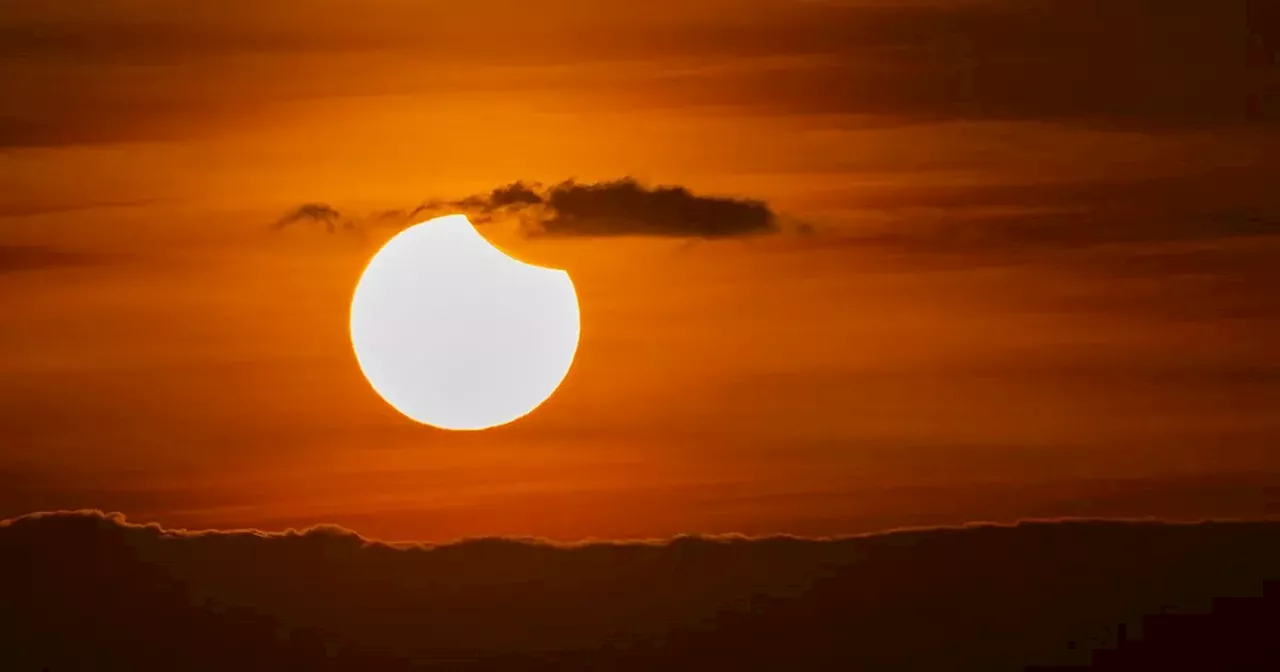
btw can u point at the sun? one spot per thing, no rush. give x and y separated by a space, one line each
453 333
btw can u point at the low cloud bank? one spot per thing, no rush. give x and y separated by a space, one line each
88 590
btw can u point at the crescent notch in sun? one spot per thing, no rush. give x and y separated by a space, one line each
453 333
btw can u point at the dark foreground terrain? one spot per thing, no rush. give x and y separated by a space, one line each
87 591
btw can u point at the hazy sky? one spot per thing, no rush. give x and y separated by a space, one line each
1041 277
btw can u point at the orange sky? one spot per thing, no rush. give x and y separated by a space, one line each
1015 302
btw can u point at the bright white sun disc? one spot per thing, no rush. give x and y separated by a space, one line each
452 332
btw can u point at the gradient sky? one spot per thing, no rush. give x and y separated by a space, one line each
1040 277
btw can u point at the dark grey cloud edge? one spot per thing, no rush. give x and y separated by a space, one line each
1077 214
623 207
321 213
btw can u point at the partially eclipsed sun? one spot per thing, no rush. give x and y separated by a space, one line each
454 333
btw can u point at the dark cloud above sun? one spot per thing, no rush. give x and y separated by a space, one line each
623 207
